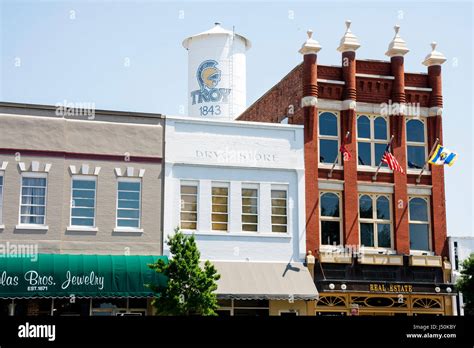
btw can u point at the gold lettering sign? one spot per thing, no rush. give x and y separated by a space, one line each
376 287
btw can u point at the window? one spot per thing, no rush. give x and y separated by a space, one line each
372 139
129 203
419 223
189 206
416 143
250 209
220 207
279 211
331 219
328 137
1 198
83 201
33 200
375 224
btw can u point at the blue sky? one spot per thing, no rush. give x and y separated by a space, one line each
127 55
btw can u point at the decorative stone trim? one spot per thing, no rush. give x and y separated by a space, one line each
130 172
85 169
309 101
334 82
349 104
3 166
419 190
331 185
421 89
372 188
435 111
35 167
372 76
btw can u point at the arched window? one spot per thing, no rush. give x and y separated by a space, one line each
416 143
328 137
419 220
331 218
372 139
375 224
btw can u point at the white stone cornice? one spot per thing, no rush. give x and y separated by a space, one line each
435 111
3 166
35 167
85 169
129 172
309 101
349 104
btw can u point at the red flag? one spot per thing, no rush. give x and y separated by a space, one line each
346 155
391 160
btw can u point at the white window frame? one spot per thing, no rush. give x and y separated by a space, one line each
277 187
127 228
83 178
430 237
2 194
330 218
330 137
375 221
221 184
246 185
33 175
414 143
189 183
372 141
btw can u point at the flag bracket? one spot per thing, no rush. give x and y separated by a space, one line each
339 151
418 179
374 177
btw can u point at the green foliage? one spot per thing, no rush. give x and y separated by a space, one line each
465 284
190 288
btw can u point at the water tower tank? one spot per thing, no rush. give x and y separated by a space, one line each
216 74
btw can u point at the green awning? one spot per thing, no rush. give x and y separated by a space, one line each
62 275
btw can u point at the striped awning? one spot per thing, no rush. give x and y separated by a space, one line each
264 281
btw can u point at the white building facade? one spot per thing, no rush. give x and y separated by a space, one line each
239 188
460 249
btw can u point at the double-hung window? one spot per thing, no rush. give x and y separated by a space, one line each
419 220
331 218
220 207
249 209
279 210
416 143
189 206
375 220
129 202
328 137
372 139
33 199
83 201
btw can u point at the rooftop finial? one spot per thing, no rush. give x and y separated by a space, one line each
349 42
348 24
434 57
398 46
311 46
433 46
217 23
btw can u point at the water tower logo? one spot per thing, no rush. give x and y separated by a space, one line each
208 76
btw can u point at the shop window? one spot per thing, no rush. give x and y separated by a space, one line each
279 211
220 206
331 218
416 143
129 202
83 201
250 209
372 139
328 137
375 221
419 221
33 199
189 206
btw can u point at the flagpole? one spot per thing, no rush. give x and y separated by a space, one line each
339 151
374 178
418 179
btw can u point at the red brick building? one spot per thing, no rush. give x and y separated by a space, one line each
379 237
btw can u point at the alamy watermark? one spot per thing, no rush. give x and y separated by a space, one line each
390 108
23 250
66 108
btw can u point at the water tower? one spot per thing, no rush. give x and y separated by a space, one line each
216 74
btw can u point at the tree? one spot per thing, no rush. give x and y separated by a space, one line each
465 284
190 288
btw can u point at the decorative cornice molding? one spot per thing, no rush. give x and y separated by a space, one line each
35 167
129 172
309 101
85 169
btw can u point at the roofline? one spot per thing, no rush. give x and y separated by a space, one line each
97 111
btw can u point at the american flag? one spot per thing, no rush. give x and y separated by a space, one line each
391 160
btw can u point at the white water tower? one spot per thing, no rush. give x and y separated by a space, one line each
216 74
